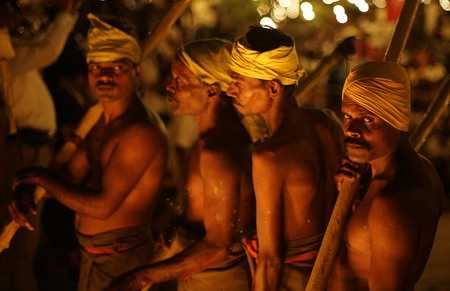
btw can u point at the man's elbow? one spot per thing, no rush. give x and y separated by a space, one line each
103 213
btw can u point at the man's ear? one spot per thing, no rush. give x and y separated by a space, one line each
274 88
213 91
138 70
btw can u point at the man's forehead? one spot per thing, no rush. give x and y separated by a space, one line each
348 104
120 61
239 77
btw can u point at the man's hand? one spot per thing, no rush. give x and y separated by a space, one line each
348 170
22 204
30 175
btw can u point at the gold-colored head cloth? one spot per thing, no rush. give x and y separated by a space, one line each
280 63
383 88
209 60
107 43
6 52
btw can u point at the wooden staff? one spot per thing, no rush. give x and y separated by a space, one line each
62 157
341 212
343 49
164 26
432 115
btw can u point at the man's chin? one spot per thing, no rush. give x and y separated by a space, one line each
241 109
360 156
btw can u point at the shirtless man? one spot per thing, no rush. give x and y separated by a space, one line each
293 170
116 173
220 205
390 234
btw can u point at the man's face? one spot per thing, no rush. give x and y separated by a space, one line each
367 136
250 95
110 81
187 94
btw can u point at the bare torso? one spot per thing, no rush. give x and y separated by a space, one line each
416 198
101 144
233 144
304 155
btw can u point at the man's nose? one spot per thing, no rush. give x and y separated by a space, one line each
170 87
353 128
106 72
231 91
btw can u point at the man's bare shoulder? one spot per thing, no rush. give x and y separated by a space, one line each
143 134
406 205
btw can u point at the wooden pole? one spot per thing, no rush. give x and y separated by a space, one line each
341 212
343 49
432 115
62 157
402 31
163 28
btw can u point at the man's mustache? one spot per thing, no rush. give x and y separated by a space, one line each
355 141
102 83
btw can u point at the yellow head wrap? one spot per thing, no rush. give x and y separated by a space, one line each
209 60
107 43
280 63
382 88
6 52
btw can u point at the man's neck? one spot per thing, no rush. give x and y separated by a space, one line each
217 113
386 166
114 109
281 112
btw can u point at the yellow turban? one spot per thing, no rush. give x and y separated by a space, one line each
382 88
280 63
209 60
107 43
6 52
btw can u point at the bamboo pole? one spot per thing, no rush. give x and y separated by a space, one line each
432 115
402 31
62 157
343 49
163 28
341 212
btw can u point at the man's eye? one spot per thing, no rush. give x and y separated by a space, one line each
346 116
368 119
94 69
118 68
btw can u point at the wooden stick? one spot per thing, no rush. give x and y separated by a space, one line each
341 212
163 28
432 115
343 49
402 31
62 157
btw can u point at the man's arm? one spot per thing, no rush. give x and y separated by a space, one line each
132 155
394 241
39 54
221 181
268 183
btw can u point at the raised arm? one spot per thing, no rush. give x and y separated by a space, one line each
221 181
41 52
268 183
